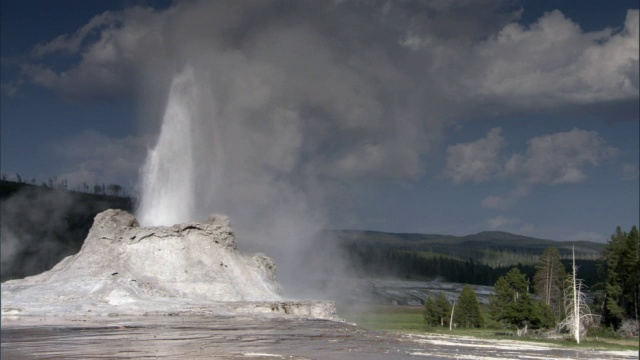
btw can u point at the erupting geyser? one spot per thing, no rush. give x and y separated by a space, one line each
227 145
168 174
125 269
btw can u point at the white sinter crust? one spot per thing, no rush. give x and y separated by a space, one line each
125 269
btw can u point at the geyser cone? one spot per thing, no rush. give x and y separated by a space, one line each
125 269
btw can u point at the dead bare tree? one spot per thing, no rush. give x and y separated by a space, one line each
579 316
451 320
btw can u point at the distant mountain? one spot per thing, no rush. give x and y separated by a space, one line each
496 248
473 259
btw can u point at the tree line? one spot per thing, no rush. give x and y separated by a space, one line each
556 299
417 265
53 182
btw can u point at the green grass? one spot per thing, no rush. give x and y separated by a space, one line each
410 319
381 317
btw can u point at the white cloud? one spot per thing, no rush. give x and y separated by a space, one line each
554 159
115 49
559 158
71 44
503 202
499 222
553 62
630 172
476 161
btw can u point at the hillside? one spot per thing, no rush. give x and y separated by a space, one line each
476 259
39 226
495 248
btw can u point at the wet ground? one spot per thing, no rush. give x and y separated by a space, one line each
202 337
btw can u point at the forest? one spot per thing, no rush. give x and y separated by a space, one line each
555 297
478 259
531 278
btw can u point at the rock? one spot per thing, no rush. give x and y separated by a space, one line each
126 269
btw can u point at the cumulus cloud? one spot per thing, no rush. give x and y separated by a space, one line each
553 61
548 63
115 51
476 161
559 158
554 159
465 51
71 44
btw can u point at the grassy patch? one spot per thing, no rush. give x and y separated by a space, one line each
410 319
381 317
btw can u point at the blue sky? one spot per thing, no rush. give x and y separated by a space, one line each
435 117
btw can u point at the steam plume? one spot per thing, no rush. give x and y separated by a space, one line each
272 109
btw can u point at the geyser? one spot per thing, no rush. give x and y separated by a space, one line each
167 176
221 148
125 269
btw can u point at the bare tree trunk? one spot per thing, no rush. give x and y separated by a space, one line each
579 315
549 281
451 320
576 303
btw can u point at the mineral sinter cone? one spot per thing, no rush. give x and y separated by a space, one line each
124 269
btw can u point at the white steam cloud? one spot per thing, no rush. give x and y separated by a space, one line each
269 107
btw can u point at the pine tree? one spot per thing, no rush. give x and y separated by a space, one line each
631 263
620 265
468 310
429 313
548 280
437 310
513 304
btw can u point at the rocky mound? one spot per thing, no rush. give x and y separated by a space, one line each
125 269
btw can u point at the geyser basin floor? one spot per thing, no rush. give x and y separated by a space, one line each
251 337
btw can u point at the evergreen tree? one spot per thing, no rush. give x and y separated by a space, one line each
620 267
513 304
437 311
631 263
548 280
468 309
430 317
